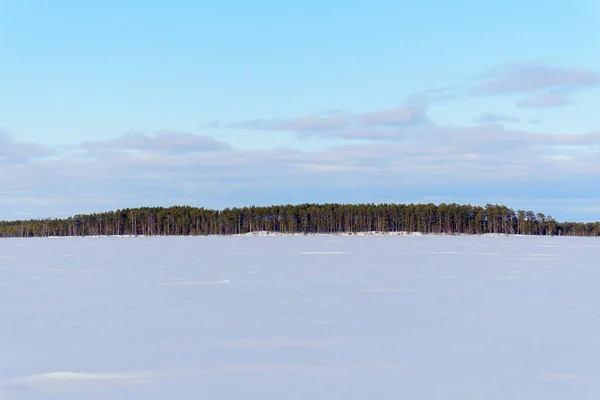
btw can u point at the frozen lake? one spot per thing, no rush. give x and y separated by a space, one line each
330 317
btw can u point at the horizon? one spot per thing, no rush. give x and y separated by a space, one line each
109 106
483 206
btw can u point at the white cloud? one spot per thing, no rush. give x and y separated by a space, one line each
480 160
14 151
381 155
526 77
53 383
401 115
491 118
546 100
161 142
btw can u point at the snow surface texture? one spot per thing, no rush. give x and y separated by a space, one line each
338 317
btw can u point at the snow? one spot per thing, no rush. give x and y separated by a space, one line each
300 317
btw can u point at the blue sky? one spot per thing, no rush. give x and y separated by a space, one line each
111 104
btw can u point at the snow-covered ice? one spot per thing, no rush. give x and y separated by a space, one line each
300 317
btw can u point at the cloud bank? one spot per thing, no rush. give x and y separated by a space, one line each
395 154
491 118
547 100
17 152
546 86
162 142
401 115
395 164
526 77
62 383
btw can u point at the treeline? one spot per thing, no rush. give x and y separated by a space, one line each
304 218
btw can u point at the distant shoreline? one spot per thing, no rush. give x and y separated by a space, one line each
305 219
299 234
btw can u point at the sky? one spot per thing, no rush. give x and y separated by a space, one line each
111 104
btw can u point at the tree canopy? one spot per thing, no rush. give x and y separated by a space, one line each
303 218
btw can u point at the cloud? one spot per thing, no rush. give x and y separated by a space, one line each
21 152
490 117
400 115
404 164
422 100
527 77
557 377
54 383
309 123
213 124
162 142
360 133
548 100
393 154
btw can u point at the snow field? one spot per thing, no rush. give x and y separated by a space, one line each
297 317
